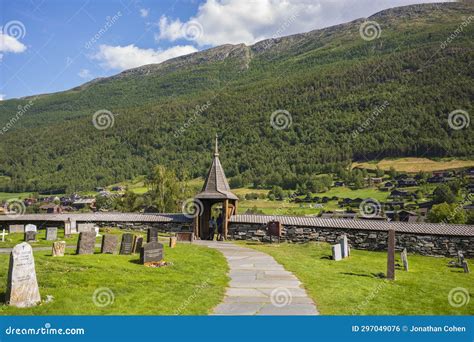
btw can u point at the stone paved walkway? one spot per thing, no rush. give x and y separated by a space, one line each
259 285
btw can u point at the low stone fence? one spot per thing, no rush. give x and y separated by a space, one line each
425 244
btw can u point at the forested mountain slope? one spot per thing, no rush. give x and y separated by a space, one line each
400 88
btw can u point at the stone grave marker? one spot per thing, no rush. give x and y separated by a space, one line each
185 236
151 252
404 257
51 233
85 227
173 242
152 234
59 247
137 246
391 255
30 236
460 258
127 243
336 252
67 228
31 228
465 266
109 244
96 230
344 246
22 286
86 243
16 228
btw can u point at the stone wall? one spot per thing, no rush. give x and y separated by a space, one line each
373 240
164 227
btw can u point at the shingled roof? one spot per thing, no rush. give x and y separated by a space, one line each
216 185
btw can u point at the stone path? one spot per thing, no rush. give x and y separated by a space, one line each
259 285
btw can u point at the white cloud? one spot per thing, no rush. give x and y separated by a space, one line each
130 56
2 97
237 21
84 73
10 44
144 12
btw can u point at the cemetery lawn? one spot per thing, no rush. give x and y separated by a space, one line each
352 287
192 285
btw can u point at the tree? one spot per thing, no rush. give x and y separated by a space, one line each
379 172
393 173
447 213
165 191
443 193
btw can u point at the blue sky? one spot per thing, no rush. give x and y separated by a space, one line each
52 45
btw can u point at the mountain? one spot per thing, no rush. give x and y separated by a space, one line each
348 99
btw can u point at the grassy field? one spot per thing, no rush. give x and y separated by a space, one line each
413 165
352 287
192 285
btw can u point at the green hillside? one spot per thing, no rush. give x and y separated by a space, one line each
331 81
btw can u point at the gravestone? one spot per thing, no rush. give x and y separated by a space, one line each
151 252
30 236
127 243
185 236
465 266
460 258
85 227
404 257
96 230
51 233
336 252
16 228
109 244
152 234
67 228
391 255
173 242
31 228
344 246
137 246
3 235
22 286
59 247
86 243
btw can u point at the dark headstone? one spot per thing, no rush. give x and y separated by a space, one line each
86 243
109 244
22 286
137 246
51 233
151 252
152 234
30 236
126 246
465 266
391 255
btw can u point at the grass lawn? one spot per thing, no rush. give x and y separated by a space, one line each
193 285
413 165
352 287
